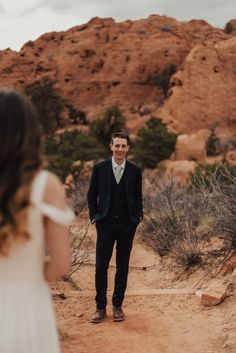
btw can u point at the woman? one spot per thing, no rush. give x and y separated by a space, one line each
34 220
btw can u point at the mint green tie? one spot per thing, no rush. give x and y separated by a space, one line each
118 173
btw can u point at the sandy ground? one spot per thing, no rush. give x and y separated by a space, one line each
163 314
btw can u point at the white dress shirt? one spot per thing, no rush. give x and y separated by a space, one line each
118 170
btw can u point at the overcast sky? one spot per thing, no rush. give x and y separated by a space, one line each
23 20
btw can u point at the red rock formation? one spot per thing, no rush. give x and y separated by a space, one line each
178 171
103 63
192 147
230 27
203 92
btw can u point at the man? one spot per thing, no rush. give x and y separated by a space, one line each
115 206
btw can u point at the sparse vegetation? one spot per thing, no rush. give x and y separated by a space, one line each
62 151
216 145
76 116
79 248
48 103
197 224
103 127
173 223
204 174
219 187
154 143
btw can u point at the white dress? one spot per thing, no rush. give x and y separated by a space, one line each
27 323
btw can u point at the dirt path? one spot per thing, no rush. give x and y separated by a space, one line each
163 315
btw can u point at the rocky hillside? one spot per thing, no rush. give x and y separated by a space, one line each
103 63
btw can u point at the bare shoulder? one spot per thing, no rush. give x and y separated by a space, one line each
54 191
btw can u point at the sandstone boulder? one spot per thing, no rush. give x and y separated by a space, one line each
231 157
177 171
192 147
230 27
214 294
205 82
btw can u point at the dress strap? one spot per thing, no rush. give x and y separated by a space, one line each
63 217
38 187
57 215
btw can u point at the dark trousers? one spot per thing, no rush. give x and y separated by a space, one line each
121 233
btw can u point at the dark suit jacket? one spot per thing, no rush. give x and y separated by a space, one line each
99 192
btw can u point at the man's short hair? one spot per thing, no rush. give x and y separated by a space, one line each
121 135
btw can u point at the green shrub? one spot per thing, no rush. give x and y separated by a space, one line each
154 143
63 151
48 103
102 128
60 151
76 116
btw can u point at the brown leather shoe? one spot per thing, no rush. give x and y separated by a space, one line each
118 314
98 316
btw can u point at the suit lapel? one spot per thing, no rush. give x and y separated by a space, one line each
127 175
107 174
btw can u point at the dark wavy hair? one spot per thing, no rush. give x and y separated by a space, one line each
20 140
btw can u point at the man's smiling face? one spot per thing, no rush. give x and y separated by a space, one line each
119 148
